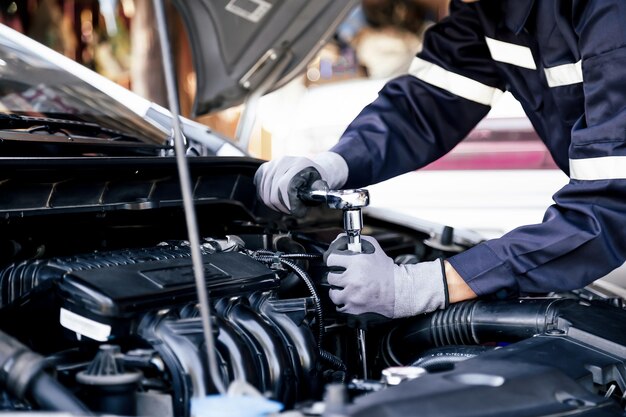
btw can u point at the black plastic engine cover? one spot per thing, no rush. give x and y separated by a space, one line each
105 296
122 290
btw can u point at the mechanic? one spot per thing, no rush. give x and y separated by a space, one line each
565 61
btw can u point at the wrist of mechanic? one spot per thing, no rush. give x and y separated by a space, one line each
458 290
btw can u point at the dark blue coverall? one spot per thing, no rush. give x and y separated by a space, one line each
565 61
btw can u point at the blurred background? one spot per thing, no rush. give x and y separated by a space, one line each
500 177
117 38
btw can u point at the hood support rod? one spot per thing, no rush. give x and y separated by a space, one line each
185 185
279 61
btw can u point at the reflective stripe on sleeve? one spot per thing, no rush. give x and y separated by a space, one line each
603 168
565 74
454 83
510 53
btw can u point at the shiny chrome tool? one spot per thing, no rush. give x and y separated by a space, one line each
350 201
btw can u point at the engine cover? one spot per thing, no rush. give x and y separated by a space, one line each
117 295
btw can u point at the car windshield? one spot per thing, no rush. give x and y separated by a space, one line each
31 85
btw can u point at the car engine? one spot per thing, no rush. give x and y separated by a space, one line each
144 300
98 307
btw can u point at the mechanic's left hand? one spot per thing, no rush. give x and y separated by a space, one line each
373 283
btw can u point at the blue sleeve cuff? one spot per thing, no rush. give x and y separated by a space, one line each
484 272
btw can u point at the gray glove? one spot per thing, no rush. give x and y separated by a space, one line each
278 181
372 283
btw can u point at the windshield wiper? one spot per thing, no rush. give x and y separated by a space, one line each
69 128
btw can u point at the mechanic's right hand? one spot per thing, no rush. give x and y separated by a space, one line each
278 181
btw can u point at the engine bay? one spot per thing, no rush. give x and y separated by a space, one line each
104 301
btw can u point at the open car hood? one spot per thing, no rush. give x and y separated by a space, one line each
245 46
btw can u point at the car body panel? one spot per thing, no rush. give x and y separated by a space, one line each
239 45
152 113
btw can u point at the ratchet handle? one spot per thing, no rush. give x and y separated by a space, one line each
314 193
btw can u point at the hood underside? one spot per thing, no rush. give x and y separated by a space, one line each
40 186
245 46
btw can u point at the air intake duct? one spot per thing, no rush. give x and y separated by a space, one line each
479 322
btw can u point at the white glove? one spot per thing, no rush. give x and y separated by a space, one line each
373 283
277 182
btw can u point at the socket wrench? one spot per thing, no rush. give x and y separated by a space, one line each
350 201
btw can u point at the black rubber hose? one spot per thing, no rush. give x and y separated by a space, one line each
22 374
333 360
472 323
50 395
